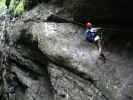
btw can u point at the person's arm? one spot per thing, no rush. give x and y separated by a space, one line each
95 29
98 28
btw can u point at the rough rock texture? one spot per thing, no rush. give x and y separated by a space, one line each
43 60
102 12
69 49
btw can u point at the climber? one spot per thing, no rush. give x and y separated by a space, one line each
92 36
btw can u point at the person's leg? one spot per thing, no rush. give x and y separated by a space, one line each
97 42
99 46
100 50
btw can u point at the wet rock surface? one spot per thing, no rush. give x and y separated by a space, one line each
52 61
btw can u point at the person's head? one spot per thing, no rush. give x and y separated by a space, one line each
88 25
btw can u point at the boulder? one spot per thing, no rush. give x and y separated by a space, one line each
43 60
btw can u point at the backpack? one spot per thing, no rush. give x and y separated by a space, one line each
90 35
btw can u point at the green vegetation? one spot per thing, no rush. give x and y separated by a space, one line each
2 5
16 7
19 8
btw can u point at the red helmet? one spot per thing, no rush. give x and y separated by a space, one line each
88 25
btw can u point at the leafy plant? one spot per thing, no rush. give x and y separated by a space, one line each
3 5
19 8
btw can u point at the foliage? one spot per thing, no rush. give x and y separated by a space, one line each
16 7
19 8
2 5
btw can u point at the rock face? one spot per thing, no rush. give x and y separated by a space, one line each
44 60
102 12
